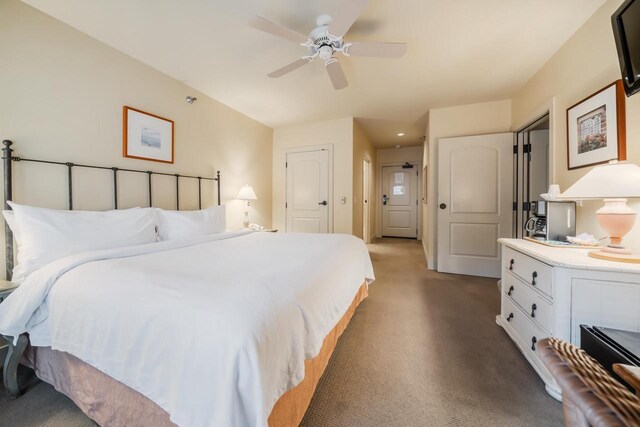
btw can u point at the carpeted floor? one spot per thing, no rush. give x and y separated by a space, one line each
422 350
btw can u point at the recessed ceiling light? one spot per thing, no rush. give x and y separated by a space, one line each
397 145
401 134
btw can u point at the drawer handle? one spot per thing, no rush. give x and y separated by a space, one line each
509 317
534 307
534 340
534 275
510 290
511 264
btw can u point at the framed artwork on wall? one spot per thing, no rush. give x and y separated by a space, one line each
596 129
147 136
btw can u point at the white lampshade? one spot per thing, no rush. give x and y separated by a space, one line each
246 193
611 181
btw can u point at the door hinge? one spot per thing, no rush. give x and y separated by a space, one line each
515 206
416 202
286 205
515 149
526 206
526 149
286 164
416 173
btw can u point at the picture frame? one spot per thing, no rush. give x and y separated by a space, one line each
147 136
596 128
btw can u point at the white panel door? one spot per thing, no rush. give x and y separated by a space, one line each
307 202
475 191
399 202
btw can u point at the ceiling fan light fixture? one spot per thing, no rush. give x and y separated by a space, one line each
400 133
327 40
325 52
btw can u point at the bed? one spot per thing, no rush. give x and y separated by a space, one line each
219 329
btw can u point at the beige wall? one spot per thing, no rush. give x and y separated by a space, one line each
464 120
399 156
62 98
363 148
572 74
339 134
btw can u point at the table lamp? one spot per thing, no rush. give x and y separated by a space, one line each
613 182
246 193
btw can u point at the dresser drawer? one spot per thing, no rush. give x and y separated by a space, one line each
538 309
530 270
528 332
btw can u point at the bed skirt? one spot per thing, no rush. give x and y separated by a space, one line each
111 403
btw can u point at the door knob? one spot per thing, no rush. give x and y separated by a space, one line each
323 203
443 206
385 199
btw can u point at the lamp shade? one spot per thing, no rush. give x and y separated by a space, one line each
610 181
246 193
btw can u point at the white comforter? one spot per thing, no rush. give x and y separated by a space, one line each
214 330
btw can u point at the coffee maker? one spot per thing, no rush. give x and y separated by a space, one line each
551 221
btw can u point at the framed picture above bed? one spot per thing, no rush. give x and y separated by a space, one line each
147 136
596 129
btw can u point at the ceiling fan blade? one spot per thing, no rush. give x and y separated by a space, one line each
288 68
349 11
379 50
263 24
338 79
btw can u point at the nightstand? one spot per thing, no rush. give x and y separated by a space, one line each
9 352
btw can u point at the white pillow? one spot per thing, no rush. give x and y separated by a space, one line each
11 221
185 224
10 218
45 235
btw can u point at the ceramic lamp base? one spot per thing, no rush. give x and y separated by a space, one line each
245 222
617 219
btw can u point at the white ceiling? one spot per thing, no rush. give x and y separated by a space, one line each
459 52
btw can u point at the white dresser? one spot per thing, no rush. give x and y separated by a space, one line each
550 291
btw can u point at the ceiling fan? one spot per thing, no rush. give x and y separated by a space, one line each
327 40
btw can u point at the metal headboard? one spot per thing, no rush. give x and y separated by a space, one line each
8 158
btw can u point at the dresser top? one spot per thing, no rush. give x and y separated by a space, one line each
568 257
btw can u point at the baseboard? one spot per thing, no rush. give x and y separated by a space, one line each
426 254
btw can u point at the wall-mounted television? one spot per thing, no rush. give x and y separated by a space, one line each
626 30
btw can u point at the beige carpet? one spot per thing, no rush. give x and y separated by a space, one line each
422 350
